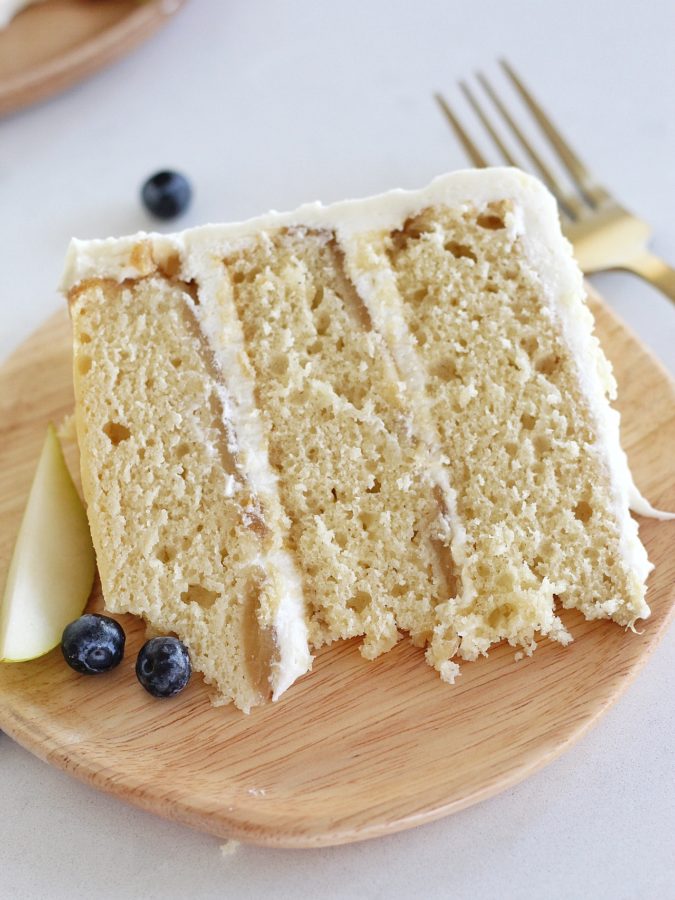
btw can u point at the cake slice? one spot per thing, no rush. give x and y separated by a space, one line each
185 520
380 417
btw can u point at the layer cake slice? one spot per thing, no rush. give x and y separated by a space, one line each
379 417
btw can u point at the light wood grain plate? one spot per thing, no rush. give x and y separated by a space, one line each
50 46
354 749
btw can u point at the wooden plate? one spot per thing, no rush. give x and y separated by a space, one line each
50 46
355 749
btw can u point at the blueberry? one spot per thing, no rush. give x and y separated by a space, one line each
163 666
166 194
93 644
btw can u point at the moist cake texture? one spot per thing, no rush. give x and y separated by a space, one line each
379 418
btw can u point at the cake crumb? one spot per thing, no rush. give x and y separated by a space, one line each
448 671
230 847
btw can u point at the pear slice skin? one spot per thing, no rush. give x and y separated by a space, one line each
53 565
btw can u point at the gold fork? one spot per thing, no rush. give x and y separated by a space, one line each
604 234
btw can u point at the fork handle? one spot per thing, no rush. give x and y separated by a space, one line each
654 270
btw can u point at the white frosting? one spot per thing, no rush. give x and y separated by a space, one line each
642 506
111 257
226 341
290 626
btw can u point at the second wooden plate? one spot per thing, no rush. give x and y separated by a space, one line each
52 45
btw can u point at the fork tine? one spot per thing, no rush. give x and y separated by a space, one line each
501 146
578 171
472 150
572 204
478 109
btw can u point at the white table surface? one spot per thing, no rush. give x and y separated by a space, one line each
268 104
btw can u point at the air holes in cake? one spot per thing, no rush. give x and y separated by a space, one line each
85 338
536 567
279 364
541 443
446 369
547 364
353 393
333 494
490 221
163 554
116 432
530 344
369 520
415 331
176 362
500 615
317 298
241 275
322 323
375 488
83 364
400 239
414 231
359 601
460 251
527 421
484 570
583 511
506 582
198 594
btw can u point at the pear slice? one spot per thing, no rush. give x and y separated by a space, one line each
52 569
